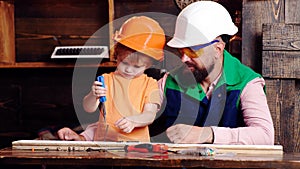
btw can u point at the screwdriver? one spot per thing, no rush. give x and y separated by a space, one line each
162 148
102 99
147 148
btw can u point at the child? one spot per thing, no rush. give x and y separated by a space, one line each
132 97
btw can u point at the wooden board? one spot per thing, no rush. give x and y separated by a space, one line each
283 100
281 62
42 25
281 36
292 12
255 13
7 33
58 145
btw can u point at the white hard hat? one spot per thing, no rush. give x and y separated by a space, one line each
201 22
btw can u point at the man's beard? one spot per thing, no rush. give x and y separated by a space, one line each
189 78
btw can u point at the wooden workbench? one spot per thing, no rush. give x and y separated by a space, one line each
23 158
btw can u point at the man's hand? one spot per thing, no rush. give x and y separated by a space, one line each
182 133
68 134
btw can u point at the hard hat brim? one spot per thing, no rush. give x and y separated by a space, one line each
177 43
157 54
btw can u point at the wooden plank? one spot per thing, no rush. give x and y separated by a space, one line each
41 49
38 50
37 37
57 26
165 11
111 17
45 65
281 64
7 34
280 56
84 145
62 9
274 103
292 12
289 116
123 8
42 25
297 113
281 36
283 100
254 14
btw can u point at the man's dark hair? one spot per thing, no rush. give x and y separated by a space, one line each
225 38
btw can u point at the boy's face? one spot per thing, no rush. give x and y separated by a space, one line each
133 65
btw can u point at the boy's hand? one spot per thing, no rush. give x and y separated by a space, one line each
125 125
68 134
98 90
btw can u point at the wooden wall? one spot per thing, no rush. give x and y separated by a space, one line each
32 98
271 47
42 25
7 34
38 97
281 68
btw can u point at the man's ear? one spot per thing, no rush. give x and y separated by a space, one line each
220 46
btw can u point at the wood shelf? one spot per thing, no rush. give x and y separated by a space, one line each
54 65
30 31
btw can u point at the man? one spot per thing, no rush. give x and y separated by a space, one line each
213 98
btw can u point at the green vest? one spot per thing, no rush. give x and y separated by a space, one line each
191 106
235 74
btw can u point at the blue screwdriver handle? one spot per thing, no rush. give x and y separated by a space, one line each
101 79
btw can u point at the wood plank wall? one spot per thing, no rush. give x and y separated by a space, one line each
42 25
281 69
255 13
7 34
124 8
273 50
272 61
35 98
37 22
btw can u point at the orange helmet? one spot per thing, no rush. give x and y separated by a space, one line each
144 35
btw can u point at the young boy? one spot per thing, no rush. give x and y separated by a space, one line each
132 97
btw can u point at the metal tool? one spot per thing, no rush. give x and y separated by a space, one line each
197 151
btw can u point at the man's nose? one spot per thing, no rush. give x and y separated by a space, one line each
185 58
